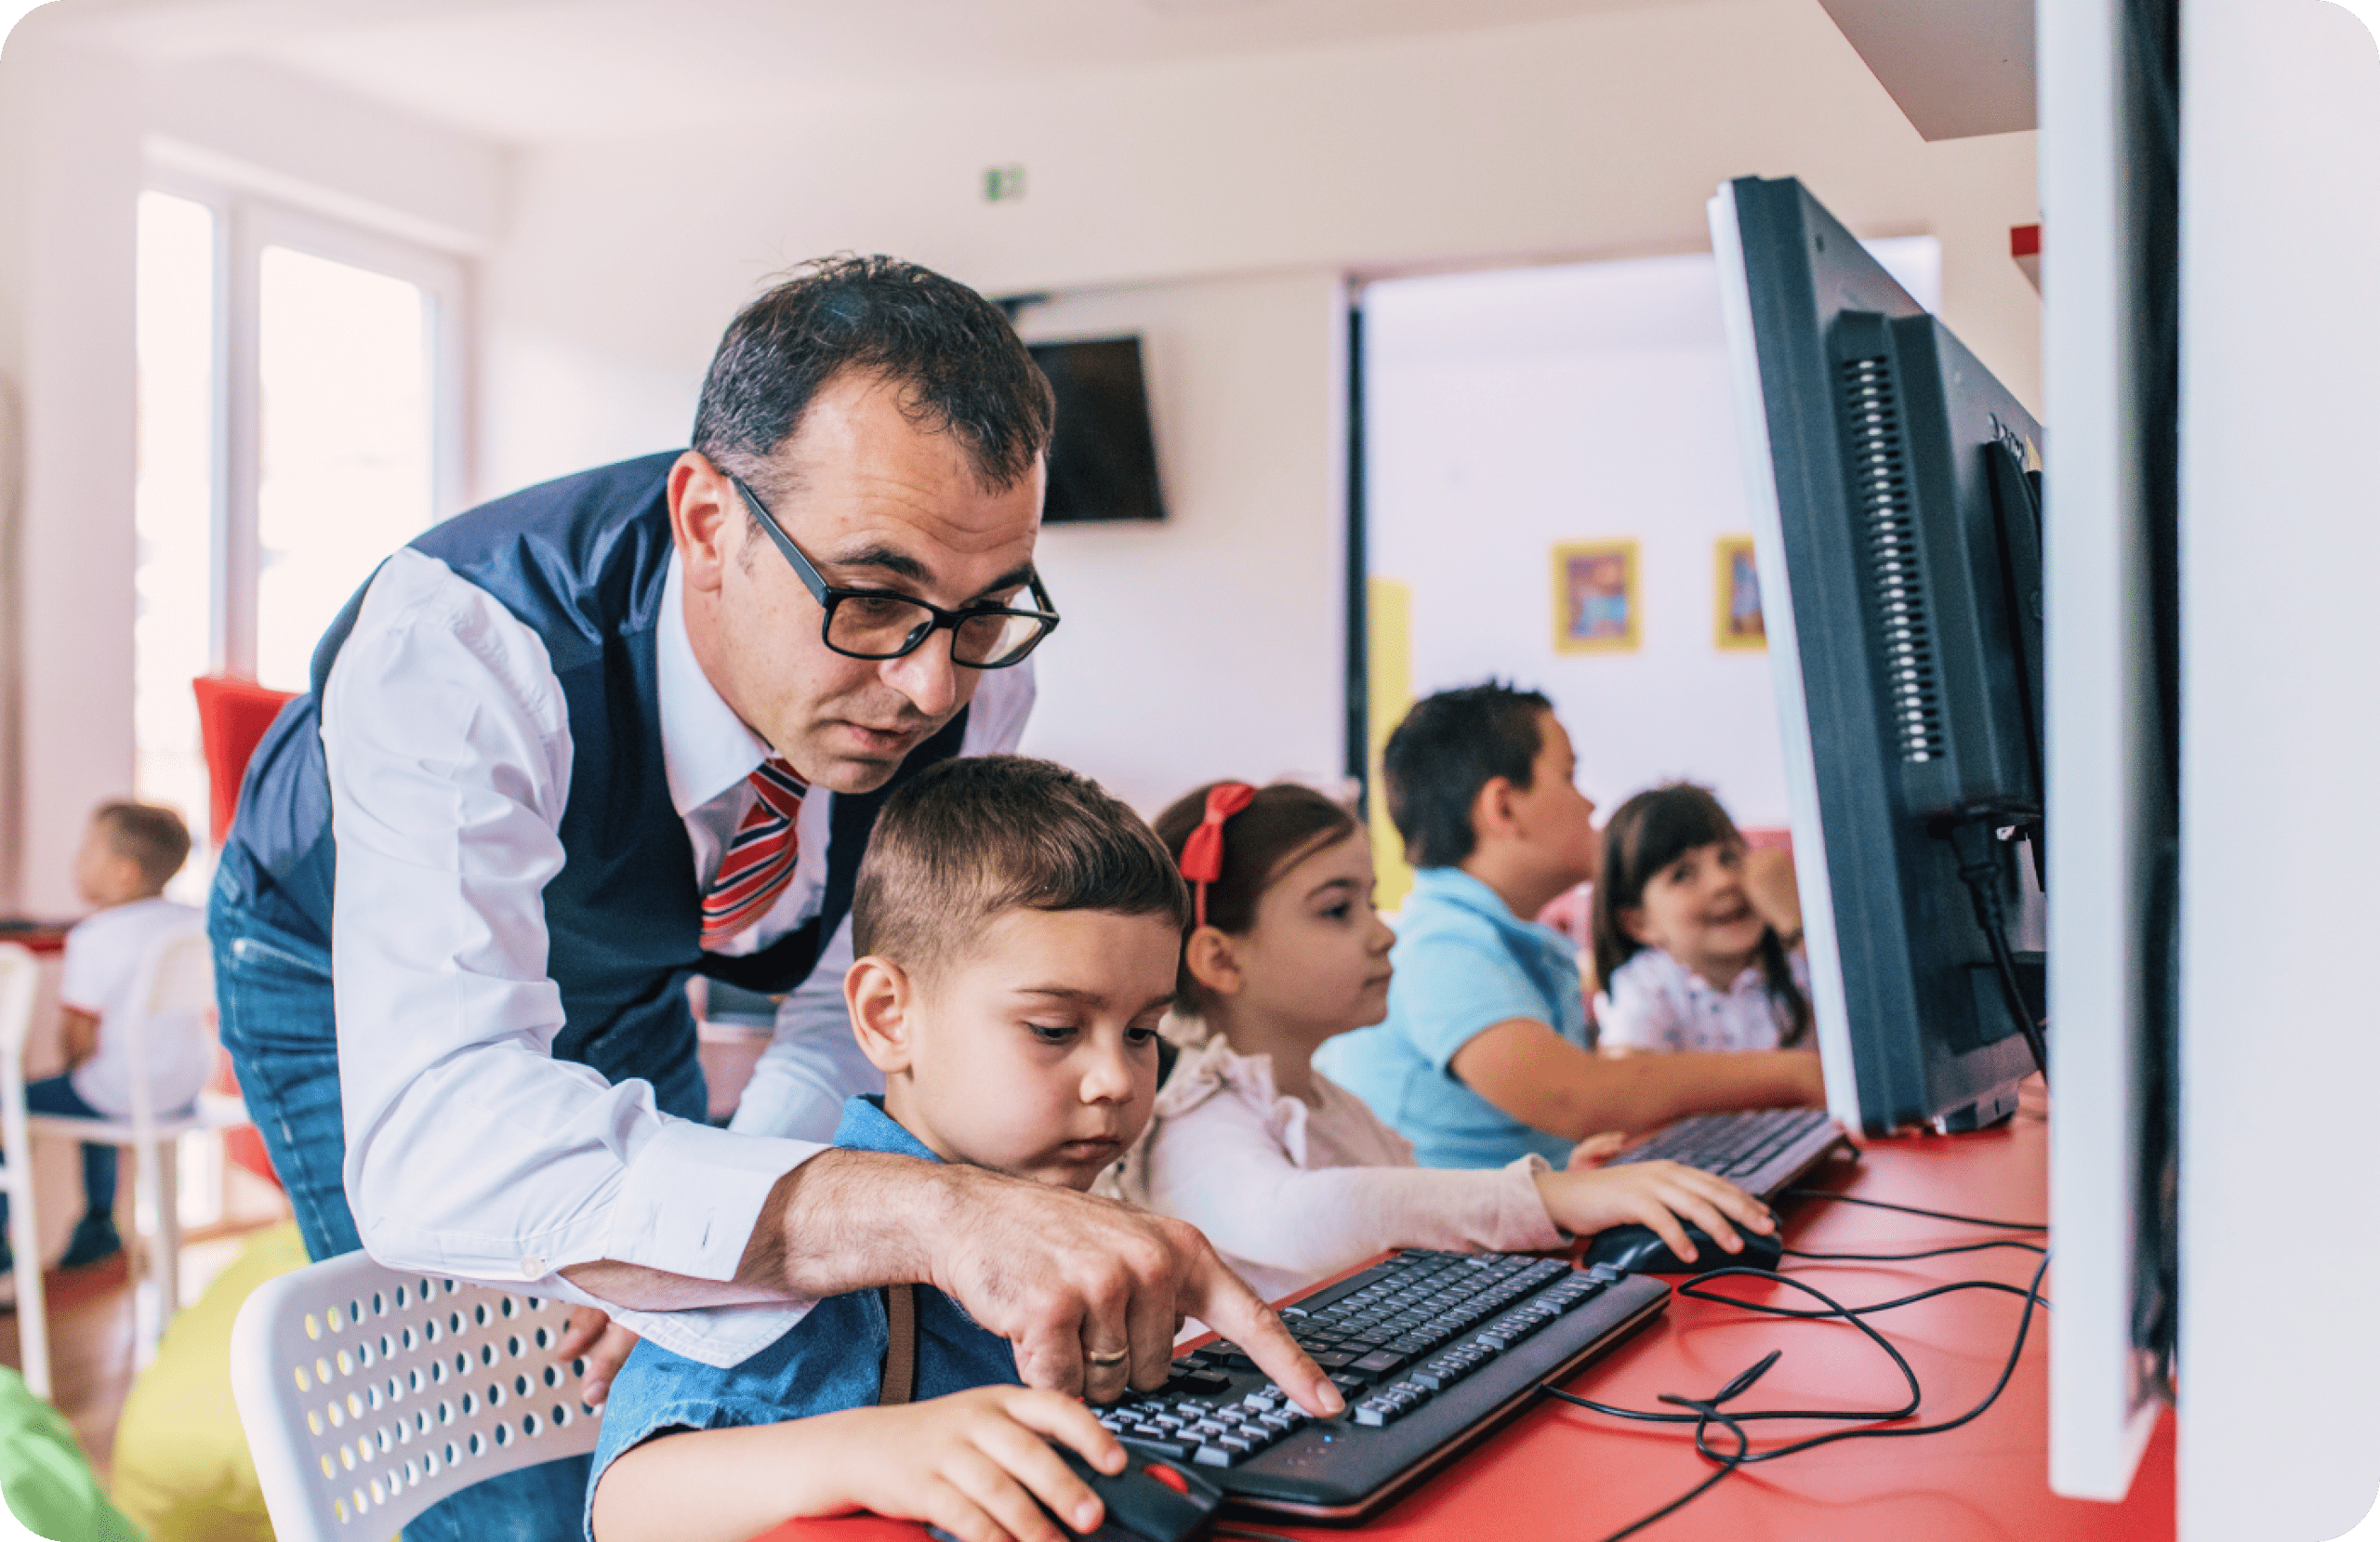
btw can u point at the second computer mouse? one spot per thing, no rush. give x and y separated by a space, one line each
1640 1250
1149 1502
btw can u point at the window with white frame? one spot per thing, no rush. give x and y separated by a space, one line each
299 408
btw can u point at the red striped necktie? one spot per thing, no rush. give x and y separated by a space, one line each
758 863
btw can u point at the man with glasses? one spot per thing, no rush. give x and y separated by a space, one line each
577 744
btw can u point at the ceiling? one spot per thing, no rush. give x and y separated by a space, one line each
530 71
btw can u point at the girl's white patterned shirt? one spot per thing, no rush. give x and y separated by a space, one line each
1654 1002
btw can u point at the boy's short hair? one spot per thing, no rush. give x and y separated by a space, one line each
972 838
1448 746
153 836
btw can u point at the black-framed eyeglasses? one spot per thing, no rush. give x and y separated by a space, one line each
879 624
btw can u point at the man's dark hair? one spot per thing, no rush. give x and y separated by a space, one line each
958 364
153 836
983 834
1449 746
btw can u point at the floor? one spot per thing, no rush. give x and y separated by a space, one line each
91 1339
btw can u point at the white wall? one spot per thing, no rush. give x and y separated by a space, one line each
1183 192
1508 412
79 124
74 138
1211 645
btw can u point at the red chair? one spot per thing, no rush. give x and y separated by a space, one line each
232 716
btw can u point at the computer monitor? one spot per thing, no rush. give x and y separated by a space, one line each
1895 491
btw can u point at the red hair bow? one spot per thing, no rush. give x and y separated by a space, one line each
1202 854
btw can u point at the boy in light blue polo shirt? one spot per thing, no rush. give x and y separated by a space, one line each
1485 1054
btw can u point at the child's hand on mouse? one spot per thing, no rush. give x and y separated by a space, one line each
973 1463
1655 1194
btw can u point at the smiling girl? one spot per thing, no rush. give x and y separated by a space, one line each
1292 1177
1689 959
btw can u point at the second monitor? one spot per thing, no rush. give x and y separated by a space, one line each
1895 495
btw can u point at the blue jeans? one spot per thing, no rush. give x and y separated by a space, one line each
273 991
57 1095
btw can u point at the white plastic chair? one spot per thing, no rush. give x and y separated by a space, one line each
175 976
368 1395
17 977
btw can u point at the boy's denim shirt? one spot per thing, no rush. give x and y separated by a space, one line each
1464 963
833 1359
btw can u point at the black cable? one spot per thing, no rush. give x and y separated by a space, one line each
1909 1209
1904 1257
1704 1412
1978 857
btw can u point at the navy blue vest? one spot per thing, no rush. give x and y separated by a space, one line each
581 563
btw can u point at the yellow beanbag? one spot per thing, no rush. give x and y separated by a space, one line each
182 1470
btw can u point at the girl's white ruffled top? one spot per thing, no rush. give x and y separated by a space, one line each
1291 1192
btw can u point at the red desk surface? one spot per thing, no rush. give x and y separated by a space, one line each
1564 1472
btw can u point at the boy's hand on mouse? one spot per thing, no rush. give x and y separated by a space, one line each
1654 1194
972 1463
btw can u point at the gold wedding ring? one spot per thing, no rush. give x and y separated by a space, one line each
1118 1358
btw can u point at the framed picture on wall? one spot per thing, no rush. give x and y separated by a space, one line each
1738 623
1595 604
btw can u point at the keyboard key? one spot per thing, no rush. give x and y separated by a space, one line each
1216 1455
1170 1450
1372 1416
1381 1362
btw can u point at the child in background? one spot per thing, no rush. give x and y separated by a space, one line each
1018 931
1687 960
128 855
1483 1054
1289 1176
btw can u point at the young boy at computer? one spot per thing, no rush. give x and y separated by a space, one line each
129 853
1485 1057
1018 931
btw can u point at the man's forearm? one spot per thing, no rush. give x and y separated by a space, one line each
862 1219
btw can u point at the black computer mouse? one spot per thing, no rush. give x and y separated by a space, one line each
1640 1250
1149 1502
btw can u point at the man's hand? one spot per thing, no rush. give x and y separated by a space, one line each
1091 1292
604 1343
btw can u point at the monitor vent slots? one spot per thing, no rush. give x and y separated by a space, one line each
1879 484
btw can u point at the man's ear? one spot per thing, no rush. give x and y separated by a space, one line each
1213 961
706 520
880 998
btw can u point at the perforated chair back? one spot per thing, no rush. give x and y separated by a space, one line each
368 1395
18 979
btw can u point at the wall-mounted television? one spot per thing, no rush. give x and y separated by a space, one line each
1102 458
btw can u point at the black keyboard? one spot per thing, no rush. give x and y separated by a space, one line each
1760 1153
1434 1350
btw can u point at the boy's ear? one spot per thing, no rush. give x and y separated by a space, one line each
1491 811
880 997
1213 962
1632 923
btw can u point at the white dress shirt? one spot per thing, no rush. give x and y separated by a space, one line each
471 1150
1291 1192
